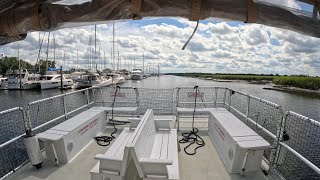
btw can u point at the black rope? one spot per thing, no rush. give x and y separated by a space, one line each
192 137
106 140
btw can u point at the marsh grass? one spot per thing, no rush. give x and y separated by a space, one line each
304 82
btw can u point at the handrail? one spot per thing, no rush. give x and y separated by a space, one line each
306 161
312 121
255 123
60 95
10 110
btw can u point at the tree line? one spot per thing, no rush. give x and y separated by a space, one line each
7 63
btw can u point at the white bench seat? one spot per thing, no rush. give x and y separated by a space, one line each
118 109
240 148
199 110
189 111
155 151
64 141
112 165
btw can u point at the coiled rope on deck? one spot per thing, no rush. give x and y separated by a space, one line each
192 137
106 140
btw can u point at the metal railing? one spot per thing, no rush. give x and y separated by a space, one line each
37 116
12 150
296 158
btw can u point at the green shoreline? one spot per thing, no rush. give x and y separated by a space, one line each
282 81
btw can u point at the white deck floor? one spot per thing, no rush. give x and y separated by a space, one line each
205 165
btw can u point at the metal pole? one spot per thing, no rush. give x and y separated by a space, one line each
104 60
134 62
61 81
19 67
95 45
118 67
64 58
47 52
143 63
77 61
54 48
113 59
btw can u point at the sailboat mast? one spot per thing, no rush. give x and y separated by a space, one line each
134 62
19 67
77 60
118 68
95 45
54 49
104 60
113 57
143 63
47 53
64 59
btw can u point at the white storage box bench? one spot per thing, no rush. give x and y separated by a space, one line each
64 141
234 140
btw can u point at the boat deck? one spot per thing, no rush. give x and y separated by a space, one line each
205 165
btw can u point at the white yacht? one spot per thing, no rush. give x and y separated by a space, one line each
76 74
105 81
51 81
87 80
117 78
28 81
136 74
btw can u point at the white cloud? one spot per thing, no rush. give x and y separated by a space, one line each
216 47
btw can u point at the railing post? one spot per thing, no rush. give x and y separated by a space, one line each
229 100
281 128
248 108
101 92
216 96
27 120
88 99
225 96
65 107
94 96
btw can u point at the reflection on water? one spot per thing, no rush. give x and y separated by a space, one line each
301 103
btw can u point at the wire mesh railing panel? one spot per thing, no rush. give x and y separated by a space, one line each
206 97
268 116
221 95
76 101
159 100
304 138
238 101
122 97
289 166
12 156
41 112
11 124
12 127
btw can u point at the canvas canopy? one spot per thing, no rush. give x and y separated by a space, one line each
18 17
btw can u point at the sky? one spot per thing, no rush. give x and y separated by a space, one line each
217 47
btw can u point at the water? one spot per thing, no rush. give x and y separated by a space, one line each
301 103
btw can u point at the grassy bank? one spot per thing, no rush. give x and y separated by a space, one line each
244 77
312 83
304 82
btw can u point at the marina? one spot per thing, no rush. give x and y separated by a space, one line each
159 90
